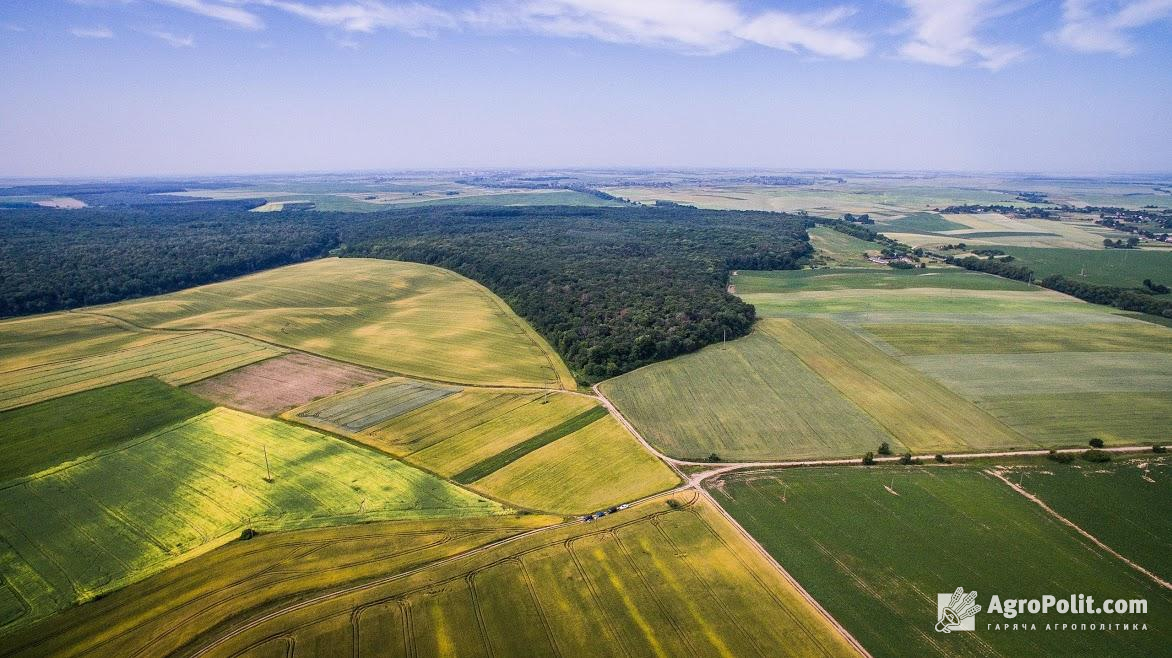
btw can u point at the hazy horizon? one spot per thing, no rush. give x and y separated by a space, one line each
174 88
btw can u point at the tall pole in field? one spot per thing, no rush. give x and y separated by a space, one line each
268 471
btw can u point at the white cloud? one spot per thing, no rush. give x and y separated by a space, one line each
172 39
232 15
1101 27
945 32
98 32
697 26
369 15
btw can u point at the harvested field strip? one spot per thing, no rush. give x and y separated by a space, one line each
376 403
595 467
751 399
917 339
122 514
519 450
500 428
1073 419
859 550
281 383
987 375
40 436
179 360
920 413
678 579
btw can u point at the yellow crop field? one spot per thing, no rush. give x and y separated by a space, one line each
595 467
654 579
42 339
180 359
402 317
118 515
921 414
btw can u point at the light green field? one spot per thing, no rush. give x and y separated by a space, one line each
98 524
837 249
1021 338
920 413
180 359
651 580
1114 502
886 278
920 222
1109 267
42 339
981 375
404 317
43 435
748 400
876 558
986 303
1073 419
592 468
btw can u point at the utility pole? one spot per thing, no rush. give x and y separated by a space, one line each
268 471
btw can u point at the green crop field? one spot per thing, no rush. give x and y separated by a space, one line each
875 546
42 339
750 399
842 250
1109 267
1072 419
920 413
920 222
917 339
853 279
372 404
1119 503
981 375
988 304
88 527
588 469
43 435
649 580
403 317
181 359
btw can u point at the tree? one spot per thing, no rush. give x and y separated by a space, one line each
941 459
907 460
869 459
713 458
1132 242
884 449
1096 442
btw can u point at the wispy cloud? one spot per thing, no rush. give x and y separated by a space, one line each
695 26
98 32
1102 27
369 15
946 33
230 14
172 39
11 27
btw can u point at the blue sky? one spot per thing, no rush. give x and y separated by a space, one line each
163 87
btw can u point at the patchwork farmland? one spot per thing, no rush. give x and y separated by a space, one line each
653 579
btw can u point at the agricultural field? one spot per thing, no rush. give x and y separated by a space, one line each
99 523
886 278
1057 419
1126 268
915 532
42 339
925 302
278 384
920 339
406 318
835 249
1114 502
655 579
555 452
182 358
44 435
920 222
749 400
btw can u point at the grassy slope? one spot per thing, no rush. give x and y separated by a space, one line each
748 400
181 359
946 528
1117 503
592 468
404 317
842 250
682 582
43 435
886 278
1111 267
127 512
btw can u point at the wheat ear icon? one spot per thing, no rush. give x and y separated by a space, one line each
958 609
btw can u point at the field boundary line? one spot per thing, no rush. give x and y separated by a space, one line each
1065 521
855 644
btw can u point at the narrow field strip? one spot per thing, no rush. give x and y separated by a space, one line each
517 451
375 403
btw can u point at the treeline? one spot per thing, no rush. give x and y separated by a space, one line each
1121 298
57 259
612 289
